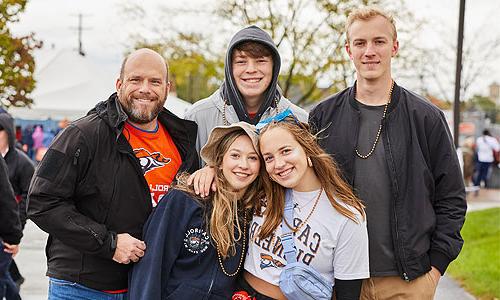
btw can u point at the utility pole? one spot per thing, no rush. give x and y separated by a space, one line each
80 29
456 104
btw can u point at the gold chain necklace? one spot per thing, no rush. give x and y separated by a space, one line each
242 251
377 137
295 229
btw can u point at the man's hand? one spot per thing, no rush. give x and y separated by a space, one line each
12 249
128 249
202 180
436 275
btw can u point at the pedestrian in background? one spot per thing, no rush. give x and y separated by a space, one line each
487 147
10 234
20 170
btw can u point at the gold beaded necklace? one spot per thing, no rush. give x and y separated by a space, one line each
296 229
377 137
244 237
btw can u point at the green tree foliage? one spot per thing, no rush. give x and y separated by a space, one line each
16 58
193 74
482 103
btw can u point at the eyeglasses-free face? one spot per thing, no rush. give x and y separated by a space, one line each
240 164
285 160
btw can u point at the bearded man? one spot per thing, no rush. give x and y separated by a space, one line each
101 177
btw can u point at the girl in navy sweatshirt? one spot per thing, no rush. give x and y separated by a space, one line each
195 247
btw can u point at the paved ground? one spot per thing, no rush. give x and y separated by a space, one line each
32 263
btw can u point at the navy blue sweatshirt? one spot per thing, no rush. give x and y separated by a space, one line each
180 260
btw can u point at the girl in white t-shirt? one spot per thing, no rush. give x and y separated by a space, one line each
329 222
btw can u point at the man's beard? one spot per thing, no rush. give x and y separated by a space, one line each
138 115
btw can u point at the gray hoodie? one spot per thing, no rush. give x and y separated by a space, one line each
227 102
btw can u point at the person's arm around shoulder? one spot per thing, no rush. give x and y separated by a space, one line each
449 201
52 199
163 235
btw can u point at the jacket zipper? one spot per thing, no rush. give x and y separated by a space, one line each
96 236
76 156
353 150
214 274
399 253
139 170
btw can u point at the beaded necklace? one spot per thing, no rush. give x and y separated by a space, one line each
377 137
295 229
242 251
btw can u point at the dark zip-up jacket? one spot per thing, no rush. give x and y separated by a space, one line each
10 226
428 194
90 187
20 166
182 261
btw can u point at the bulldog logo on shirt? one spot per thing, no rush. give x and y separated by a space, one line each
196 240
150 161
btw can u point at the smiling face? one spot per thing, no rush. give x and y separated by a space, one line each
286 160
143 87
252 76
371 47
240 164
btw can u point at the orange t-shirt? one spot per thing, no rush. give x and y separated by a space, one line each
158 156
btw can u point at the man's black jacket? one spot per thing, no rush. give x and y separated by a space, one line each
90 186
10 226
428 194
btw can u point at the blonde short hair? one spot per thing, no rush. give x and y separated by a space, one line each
367 13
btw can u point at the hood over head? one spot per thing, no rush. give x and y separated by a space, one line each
230 92
7 124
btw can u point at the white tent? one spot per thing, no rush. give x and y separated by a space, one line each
69 85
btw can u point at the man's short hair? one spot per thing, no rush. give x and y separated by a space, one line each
367 13
254 49
124 62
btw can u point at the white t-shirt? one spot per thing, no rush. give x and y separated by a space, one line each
485 145
331 243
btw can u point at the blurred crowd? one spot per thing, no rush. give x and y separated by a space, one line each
34 140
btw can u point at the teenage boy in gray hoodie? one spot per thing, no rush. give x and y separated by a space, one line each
250 89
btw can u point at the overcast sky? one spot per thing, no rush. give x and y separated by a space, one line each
106 33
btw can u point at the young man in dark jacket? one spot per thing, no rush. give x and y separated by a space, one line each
10 234
99 180
395 149
20 170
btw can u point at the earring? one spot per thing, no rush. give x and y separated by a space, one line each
309 162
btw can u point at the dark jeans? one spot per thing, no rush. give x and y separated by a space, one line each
8 288
14 272
482 173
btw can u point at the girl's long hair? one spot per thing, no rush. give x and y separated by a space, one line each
225 211
325 168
